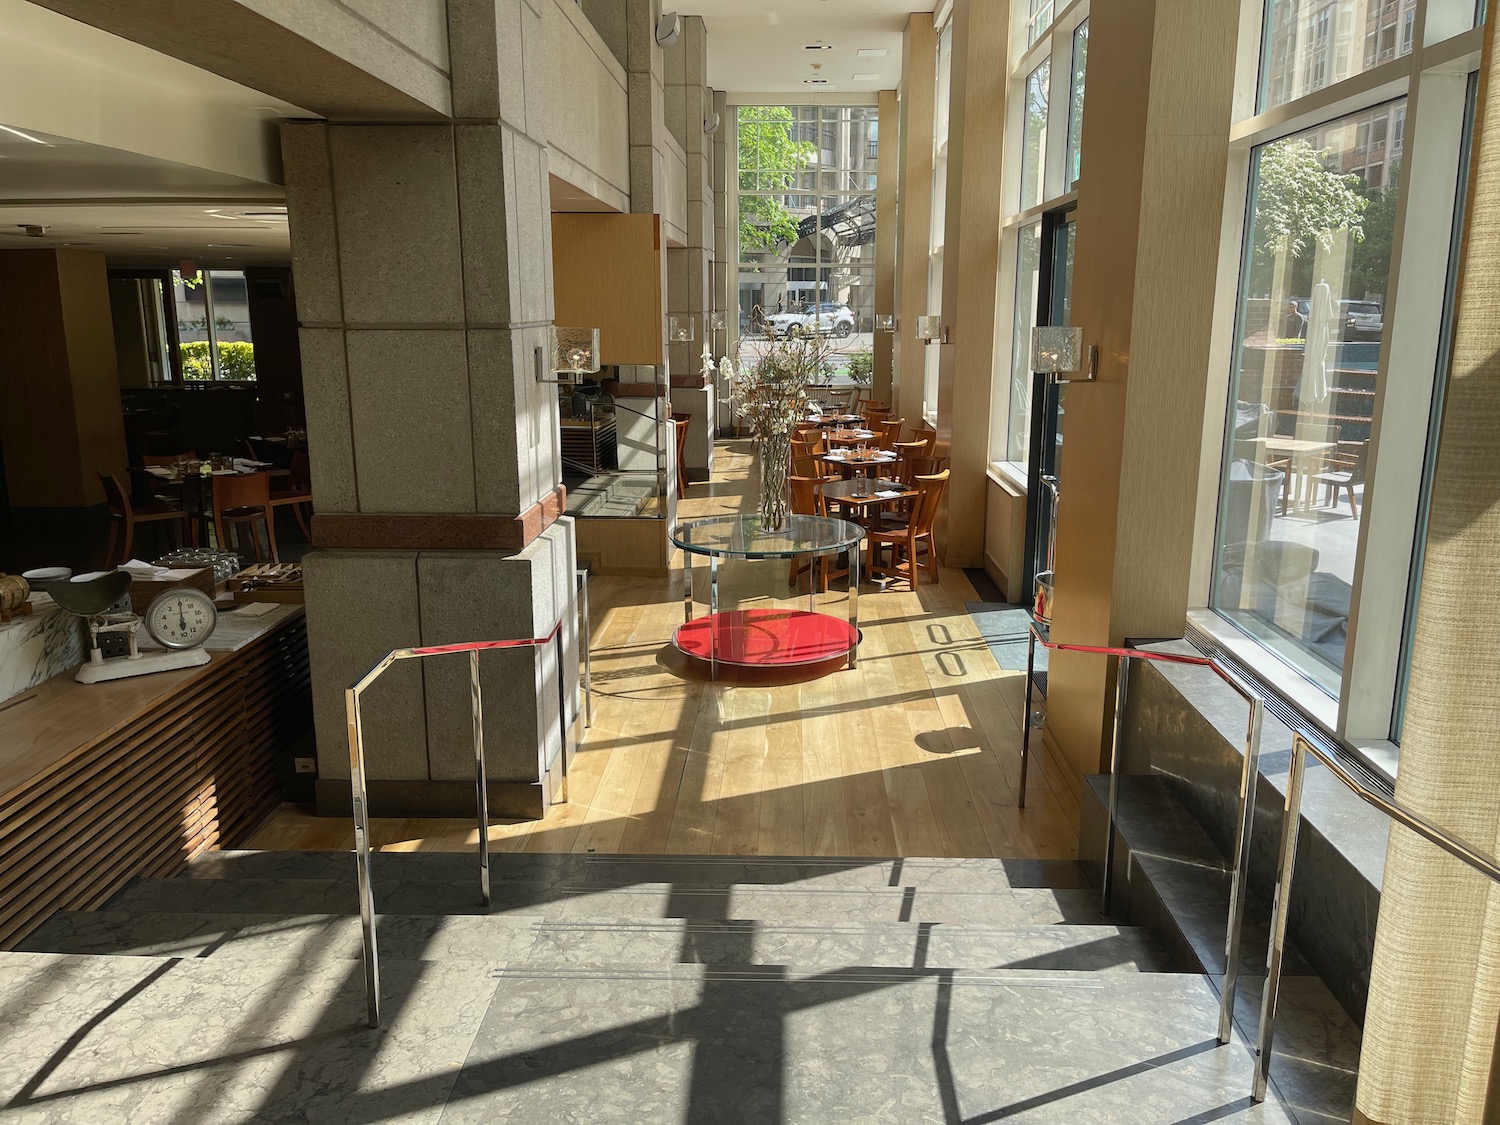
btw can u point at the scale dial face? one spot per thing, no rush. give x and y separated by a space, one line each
181 619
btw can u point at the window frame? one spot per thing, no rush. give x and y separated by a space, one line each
1434 80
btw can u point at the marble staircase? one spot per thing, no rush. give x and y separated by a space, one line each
614 989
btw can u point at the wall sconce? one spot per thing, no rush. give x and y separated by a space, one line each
1059 351
572 351
929 328
717 321
682 329
885 322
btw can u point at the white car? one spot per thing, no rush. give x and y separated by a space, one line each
827 318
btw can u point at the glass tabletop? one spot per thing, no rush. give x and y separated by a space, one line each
743 537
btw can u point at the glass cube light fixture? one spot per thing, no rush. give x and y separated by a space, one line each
885 322
1058 351
575 350
717 321
682 329
929 328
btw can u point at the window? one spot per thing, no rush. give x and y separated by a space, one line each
1038 20
1028 274
931 356
1075 104
1292 69
1034 143
213 326
807 221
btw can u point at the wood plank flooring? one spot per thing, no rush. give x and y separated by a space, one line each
915 752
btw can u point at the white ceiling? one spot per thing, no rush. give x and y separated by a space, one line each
759 47
155 234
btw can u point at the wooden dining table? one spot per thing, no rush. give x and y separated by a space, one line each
841 420
1304 457
861 501
849 436
848 462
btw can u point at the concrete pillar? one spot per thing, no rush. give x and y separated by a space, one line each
688 103
914 212
423 278
726 242
1429 1048
887 162
1160 85
966 365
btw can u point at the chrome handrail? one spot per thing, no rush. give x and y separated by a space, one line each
360 795
1343 762
1249 774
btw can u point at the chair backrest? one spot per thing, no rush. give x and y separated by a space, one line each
931 488
806 465
921 465
242 490
168 458
116 495
889 431
928 437
851 400
1361 459
301 472
807 496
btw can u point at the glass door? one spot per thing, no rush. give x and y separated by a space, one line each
1054 307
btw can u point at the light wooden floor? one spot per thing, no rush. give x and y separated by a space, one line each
915 752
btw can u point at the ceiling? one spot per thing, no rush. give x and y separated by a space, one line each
761 47
155 234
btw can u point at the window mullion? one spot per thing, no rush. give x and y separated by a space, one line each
210 328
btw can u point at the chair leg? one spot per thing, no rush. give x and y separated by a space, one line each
129 541
114 538
301 512
271 534
1353 506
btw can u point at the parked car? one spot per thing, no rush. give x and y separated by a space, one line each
1363 320
827 318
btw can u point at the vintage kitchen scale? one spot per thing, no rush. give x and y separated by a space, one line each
179 620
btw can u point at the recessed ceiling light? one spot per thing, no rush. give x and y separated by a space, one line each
872 52
866 77
815 81
818 46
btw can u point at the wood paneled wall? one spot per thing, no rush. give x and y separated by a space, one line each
609 273
886 179
60 417
1150 216
100 783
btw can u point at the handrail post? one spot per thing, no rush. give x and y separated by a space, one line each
586 642
1249 775
1026 718
481 780
562 709
362 854
1290 825
1122 679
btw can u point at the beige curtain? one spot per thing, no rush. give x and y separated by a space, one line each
1430 1032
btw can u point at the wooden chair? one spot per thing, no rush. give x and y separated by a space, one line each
1342 469
242 500
927 436
890 432
873 417
808 500
866 405
906 540
851 400
123 517
808 465
297 494
680 424
813 437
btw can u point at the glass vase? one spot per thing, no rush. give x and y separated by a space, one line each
775 452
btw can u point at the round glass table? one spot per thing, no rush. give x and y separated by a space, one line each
774 637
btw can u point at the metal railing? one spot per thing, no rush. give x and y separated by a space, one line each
357 778
1342 760
1375 791
1249 773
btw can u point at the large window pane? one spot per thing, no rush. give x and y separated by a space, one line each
213 326
1028 272
1034 138
1038 19
1075 105
1310 332
1310 44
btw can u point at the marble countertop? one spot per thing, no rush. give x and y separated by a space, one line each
40 604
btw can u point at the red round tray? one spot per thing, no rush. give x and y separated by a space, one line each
767 638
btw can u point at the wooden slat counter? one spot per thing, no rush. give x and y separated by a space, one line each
103 782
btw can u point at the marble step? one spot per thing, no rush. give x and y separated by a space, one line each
1021 906
507 1043
608 941
461 868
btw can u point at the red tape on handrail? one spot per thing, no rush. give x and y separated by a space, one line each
473 646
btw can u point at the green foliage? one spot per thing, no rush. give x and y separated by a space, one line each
769 160
236 361
1370 261
1301 207
861 366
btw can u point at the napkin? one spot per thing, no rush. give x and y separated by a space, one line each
888 494
159 471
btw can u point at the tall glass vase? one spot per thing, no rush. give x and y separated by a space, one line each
775 452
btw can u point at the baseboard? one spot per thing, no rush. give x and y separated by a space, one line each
509 800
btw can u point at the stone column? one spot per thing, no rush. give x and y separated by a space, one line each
1428 1052
966 365
1156 119
914 211
726 240
688 103
423 276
